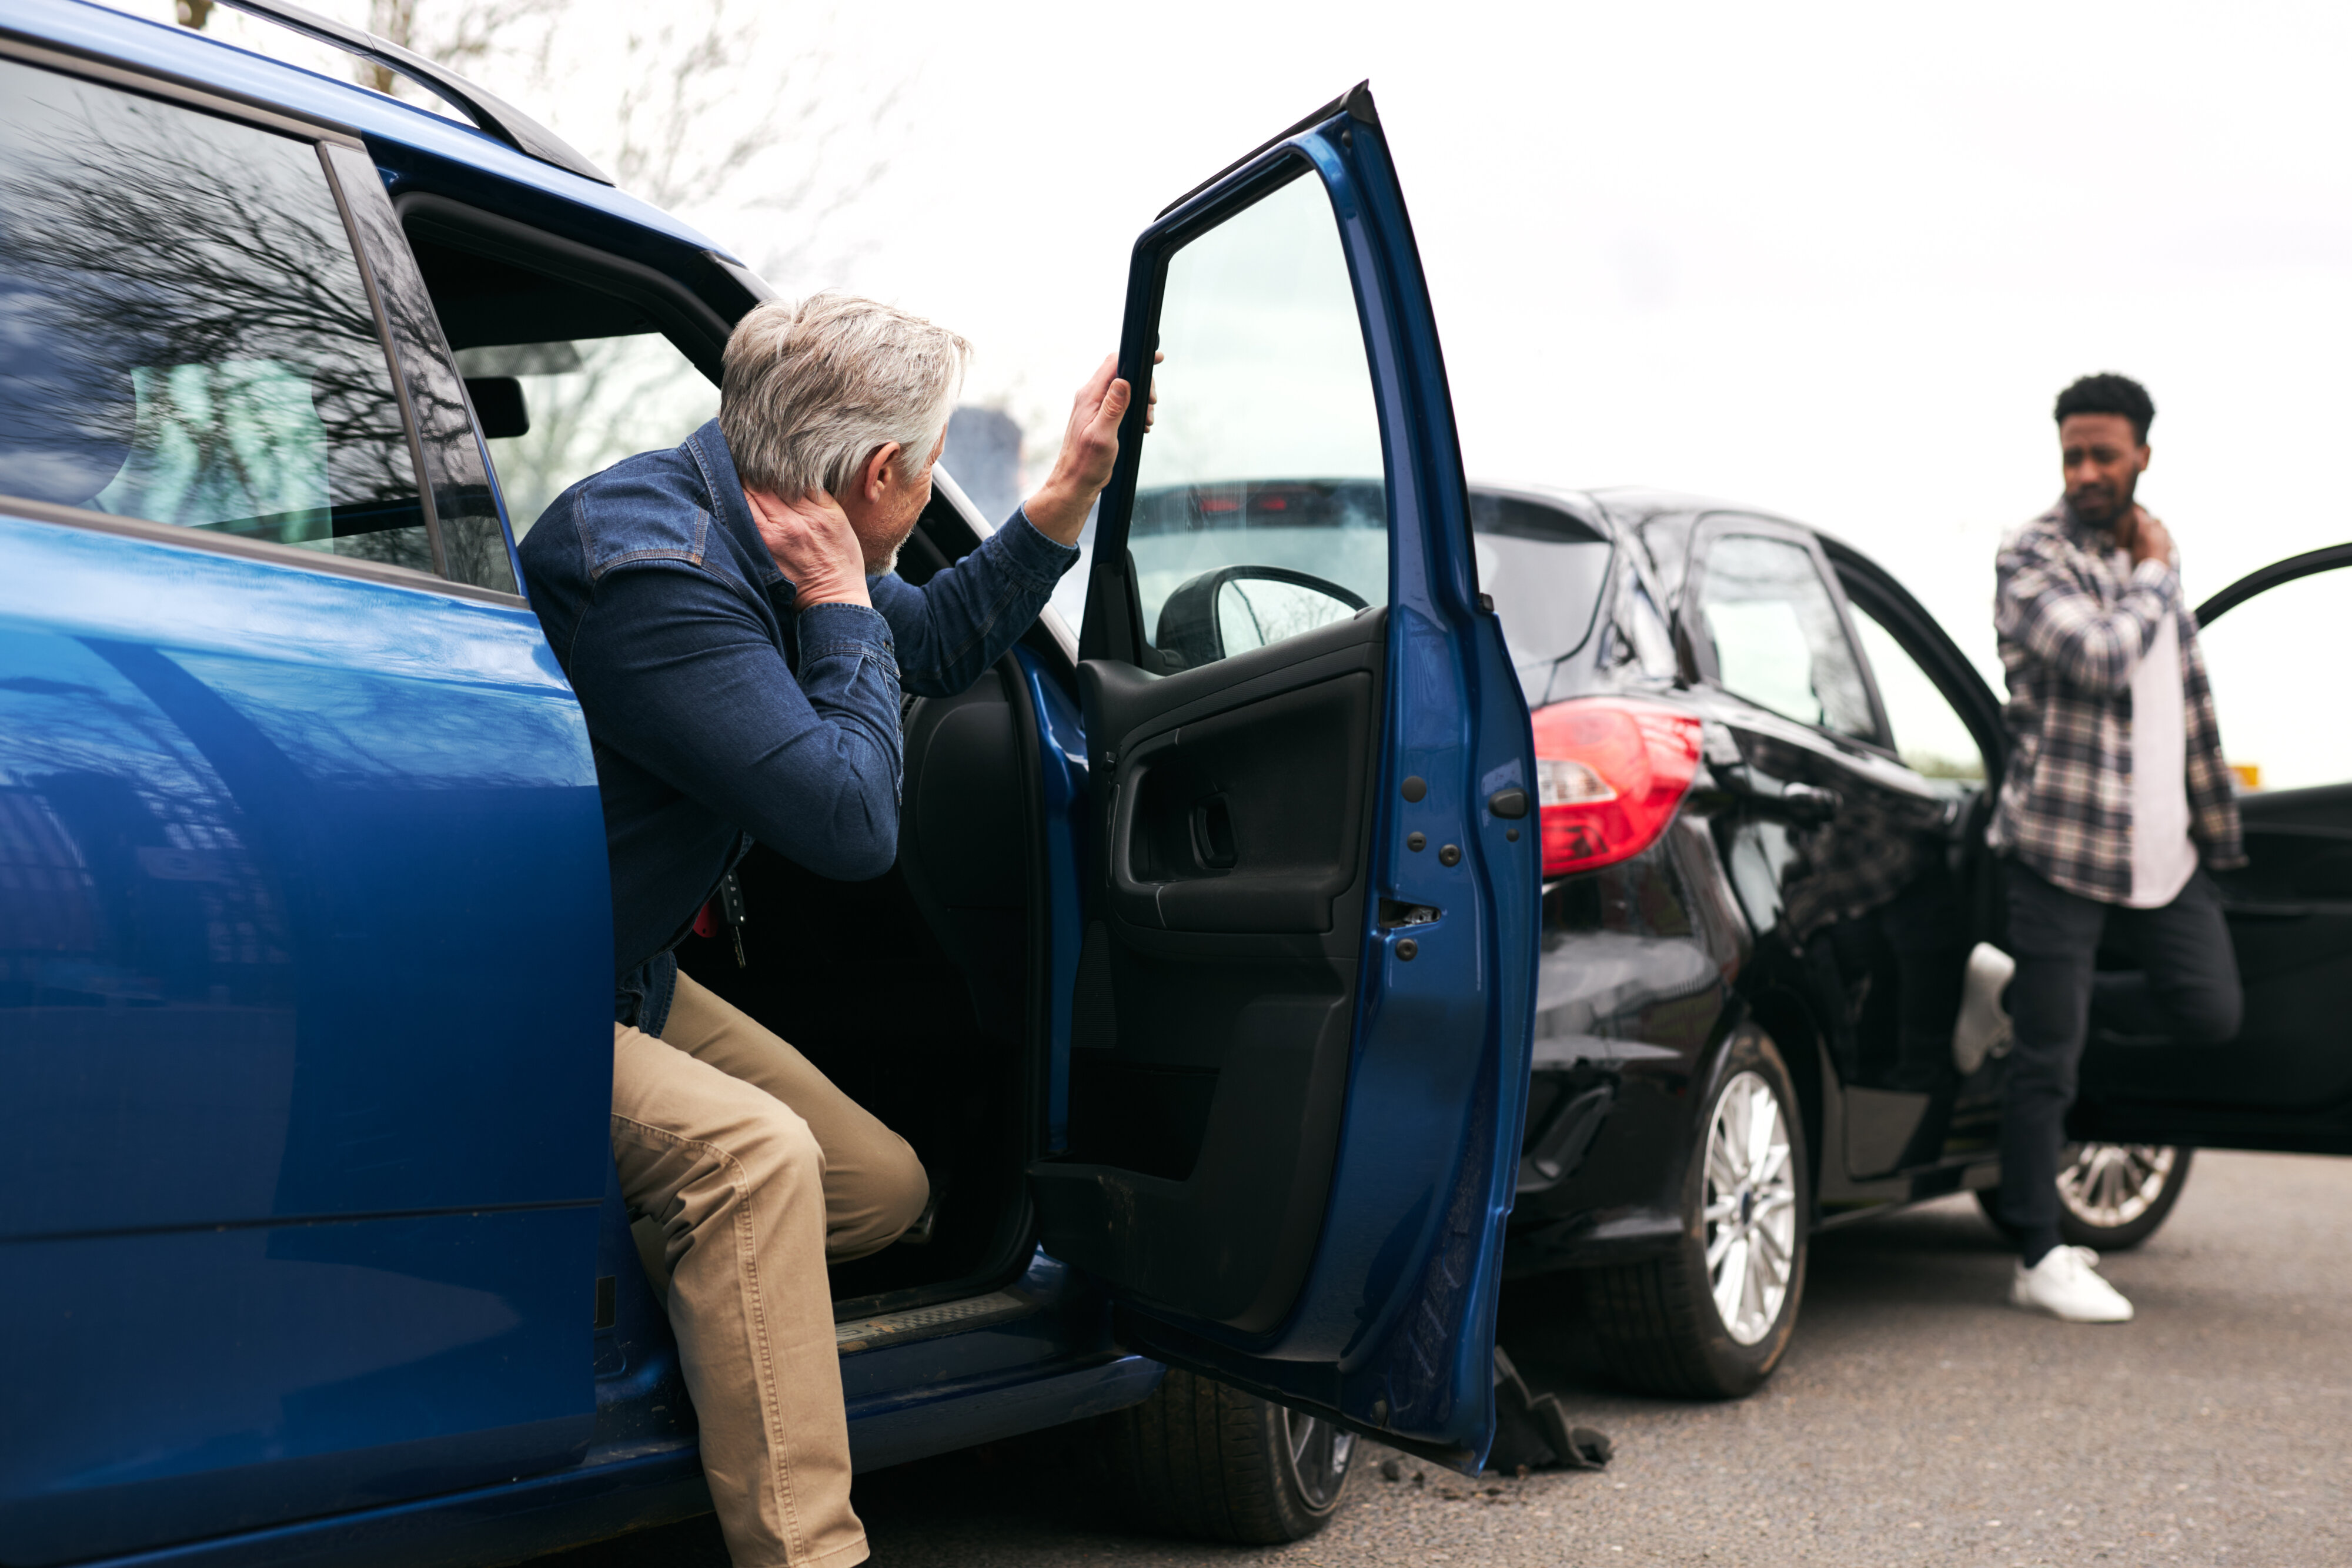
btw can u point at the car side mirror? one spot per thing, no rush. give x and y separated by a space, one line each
1236 608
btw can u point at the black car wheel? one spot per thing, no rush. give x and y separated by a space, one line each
1202 1460
2111 1196
1712 1319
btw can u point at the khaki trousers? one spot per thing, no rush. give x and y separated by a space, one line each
757 1170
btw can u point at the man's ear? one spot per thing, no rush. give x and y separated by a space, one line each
2146 452
879 469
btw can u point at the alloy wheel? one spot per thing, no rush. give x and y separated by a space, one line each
1751 1208
1317 1454
2111 1185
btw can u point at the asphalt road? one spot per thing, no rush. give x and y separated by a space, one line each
1918 1419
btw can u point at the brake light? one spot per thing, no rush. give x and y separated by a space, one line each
1610 773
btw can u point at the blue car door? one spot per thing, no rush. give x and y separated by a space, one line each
1304 995
304 941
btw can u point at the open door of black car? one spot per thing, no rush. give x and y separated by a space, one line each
2272 645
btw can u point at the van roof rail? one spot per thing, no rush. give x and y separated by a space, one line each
495 116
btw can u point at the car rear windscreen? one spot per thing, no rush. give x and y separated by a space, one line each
1545 569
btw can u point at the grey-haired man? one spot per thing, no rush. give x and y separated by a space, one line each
726 613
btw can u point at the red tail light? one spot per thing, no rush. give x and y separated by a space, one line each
1610 772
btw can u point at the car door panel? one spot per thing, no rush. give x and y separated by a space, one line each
1226 1036
303 910
1298 1044
1241 809
309 1140
1871 925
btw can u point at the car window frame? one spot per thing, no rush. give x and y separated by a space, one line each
1929 647
320 135
1111 627
1697 653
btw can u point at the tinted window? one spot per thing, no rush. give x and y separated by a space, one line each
1545 569
1929 734
1266 452
187 338
1777 636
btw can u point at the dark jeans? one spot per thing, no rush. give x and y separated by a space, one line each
2186 989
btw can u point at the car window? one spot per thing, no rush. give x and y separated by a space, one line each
187 336
1260 488
588 376
1929 734
1776 634
1544 568
589 403
2273 662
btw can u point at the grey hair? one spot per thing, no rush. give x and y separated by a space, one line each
810 391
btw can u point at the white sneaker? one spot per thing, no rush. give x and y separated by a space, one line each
1982 1028
2066 1284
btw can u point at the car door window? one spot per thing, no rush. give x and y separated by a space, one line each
1928 732
1777 636
1261 511
2265 659
188 338
586 403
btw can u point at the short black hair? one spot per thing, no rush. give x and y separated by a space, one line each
2108 393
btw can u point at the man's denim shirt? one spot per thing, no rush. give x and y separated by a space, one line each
719 714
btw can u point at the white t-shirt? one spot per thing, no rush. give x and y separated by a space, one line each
2164 857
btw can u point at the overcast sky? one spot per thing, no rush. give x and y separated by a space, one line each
1833 261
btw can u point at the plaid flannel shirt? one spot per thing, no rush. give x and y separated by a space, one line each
2071 628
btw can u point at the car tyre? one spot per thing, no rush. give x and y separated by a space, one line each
1747 1212
2111 1196
1203 1459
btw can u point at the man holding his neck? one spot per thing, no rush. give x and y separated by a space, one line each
2115 805
726 613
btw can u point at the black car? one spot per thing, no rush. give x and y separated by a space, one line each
1764 775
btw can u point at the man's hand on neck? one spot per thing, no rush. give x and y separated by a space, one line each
812 543
2141 534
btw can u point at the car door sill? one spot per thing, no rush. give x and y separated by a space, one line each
930 1323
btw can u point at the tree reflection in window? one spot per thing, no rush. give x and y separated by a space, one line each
187 336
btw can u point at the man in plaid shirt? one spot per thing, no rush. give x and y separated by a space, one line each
2114 806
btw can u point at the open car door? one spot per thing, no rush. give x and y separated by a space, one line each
1305 992
2285 1082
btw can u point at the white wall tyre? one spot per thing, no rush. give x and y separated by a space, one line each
1713 1319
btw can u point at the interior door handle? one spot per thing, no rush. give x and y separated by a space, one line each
1139 899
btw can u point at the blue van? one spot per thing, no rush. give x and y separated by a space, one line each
1204 984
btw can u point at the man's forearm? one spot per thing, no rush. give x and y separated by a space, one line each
961 622
1059 510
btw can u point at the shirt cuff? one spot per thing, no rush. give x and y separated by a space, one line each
834 627
1031 553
